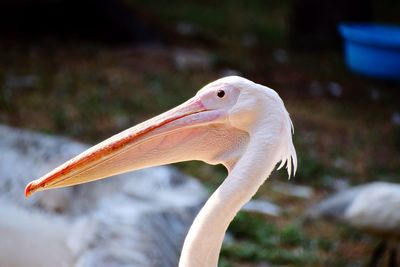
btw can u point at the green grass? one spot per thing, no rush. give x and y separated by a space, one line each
258 241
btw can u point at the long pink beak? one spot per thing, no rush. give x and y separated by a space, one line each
166 138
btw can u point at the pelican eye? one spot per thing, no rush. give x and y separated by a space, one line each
221 93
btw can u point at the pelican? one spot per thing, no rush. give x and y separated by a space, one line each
373 208
231 121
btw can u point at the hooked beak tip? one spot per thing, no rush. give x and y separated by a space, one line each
29 189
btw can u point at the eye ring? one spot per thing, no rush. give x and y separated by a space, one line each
220 93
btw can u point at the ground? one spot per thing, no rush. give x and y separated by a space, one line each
347 127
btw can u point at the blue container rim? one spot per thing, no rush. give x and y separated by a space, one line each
375 34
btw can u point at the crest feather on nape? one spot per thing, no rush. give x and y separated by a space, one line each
289 156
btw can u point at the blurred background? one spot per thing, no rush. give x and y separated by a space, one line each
90 69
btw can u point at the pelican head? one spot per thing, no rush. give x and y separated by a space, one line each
214 126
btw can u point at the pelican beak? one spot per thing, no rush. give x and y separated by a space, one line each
166 138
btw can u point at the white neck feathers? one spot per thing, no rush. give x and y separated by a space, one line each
203 242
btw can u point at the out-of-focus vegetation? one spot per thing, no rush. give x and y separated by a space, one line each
347 127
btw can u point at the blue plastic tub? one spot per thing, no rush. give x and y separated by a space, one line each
372 49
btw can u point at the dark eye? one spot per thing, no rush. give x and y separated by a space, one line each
220 93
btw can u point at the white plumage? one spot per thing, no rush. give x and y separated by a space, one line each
376 208
372 207
232 121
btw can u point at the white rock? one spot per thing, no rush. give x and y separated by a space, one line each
396 118
263 207
186 28
280 56
300 191
190 59
335 89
